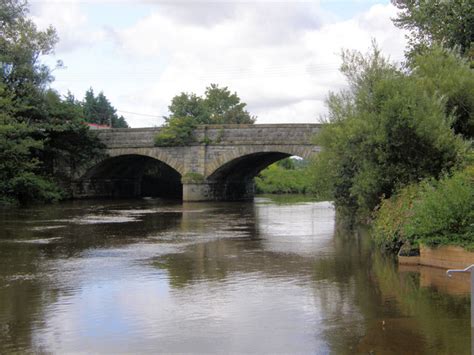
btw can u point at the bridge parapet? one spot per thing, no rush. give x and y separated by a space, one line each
128 137
264 134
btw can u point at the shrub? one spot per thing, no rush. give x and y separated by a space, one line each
430 212
444 213
392 216
29 187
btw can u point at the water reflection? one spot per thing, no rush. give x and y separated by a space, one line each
263 277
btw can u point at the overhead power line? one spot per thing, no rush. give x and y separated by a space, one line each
139 114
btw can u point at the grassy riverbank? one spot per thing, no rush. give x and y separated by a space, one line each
287 176
291 176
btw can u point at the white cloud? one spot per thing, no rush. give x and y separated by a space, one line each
281 58
283 68
69 21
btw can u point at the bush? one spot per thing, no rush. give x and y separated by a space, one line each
29 187
392 216
431 212
444 213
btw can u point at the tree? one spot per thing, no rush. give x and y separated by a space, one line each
99 110
119 122
218 106
40 133
223 107
21 46
188 106
448 22
386 131
444 73
90 107
19 178
68 142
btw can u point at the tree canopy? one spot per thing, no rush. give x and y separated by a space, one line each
218 106
99 110
21 47
387 130
446 22
40 133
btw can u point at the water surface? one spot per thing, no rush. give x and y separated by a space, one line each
262 277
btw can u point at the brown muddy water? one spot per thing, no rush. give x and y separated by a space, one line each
269 276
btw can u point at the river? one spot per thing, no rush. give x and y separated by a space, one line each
268 276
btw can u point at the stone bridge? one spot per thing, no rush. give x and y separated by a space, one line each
220 165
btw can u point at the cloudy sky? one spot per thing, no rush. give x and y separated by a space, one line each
281 57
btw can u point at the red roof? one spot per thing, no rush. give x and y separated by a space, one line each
97 126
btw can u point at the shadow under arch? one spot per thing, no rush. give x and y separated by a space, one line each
234 179
130 175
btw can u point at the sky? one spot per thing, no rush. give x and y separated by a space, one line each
282 58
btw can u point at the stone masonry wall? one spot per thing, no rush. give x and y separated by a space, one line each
273 134
213 147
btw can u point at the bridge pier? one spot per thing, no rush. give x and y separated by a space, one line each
219 191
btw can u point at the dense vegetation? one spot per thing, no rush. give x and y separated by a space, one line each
398 137
287 176
218 106
432 212
290 176
390 128
99 110
450 23
43 140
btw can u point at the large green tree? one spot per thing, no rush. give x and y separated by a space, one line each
40 133
99 110
447 22
218 106
19 178
21 48
387 130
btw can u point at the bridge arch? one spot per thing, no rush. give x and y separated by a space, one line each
231 176
265 154
169 156
130 175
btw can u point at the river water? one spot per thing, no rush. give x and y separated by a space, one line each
268 276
